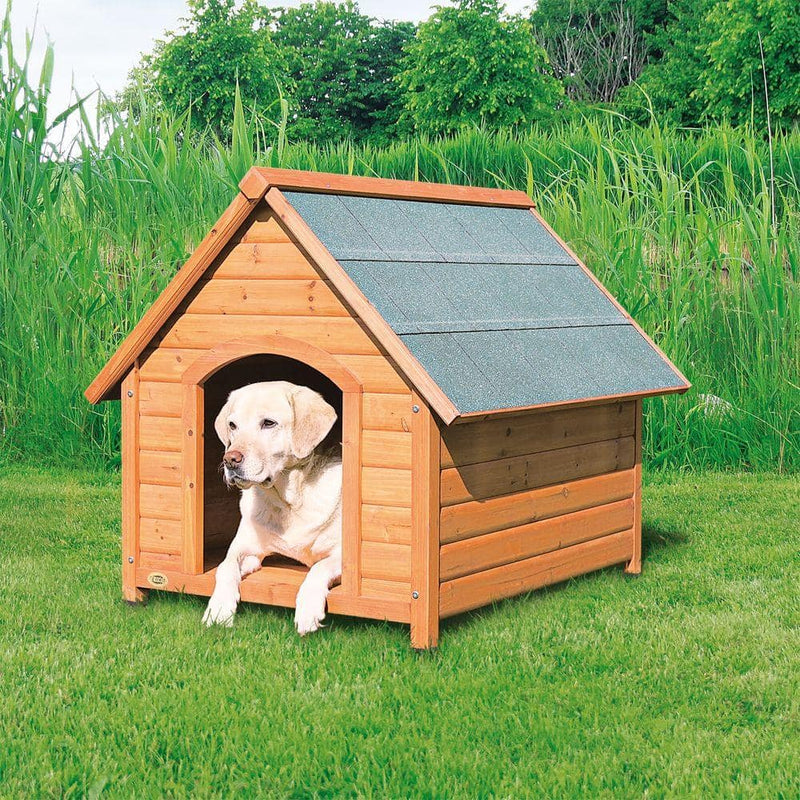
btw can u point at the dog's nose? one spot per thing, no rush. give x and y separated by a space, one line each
232 459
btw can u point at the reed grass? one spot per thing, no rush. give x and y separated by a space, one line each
678 224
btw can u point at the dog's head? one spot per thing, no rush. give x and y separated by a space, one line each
267 427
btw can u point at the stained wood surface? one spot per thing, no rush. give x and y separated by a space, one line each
386 449
507 511
274 585
482 588
130 485
160 433
159 399
384 187
160 502
388 412
492 439
514 544
508 475
160 535
277 260
634 566
352 558
387 561
395 590
386 487
424 527
386 524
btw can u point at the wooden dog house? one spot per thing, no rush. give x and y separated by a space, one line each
489 387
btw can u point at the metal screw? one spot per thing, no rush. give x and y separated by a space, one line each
130 559
415 595
415 409
130 392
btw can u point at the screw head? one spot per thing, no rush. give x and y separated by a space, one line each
415 409
415 595
130 392
130 559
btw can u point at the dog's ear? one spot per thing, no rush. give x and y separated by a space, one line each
313 419
221 422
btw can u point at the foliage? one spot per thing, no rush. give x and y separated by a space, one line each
342 67
596 48
472 65
680 684
220 46
677 224
732 84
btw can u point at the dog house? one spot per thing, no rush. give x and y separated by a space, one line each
489 391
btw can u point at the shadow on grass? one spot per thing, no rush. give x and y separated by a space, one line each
656 538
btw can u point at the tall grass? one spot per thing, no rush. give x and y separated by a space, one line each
677 223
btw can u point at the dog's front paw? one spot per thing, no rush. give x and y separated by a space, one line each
309 613
220 611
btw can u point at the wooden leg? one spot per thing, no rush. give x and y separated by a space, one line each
134 595
634 566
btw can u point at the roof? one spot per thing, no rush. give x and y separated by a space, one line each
476 299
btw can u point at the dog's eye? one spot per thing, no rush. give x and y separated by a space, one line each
232 426
268 423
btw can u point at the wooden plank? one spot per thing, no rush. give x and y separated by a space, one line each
279 260
158 562
130 485
507 511
634 566
160 467
278 585
204 331
265 231
271 298
534 433
386 449
160 535
483 588
168 364
351 493
386 524
161 502
386 487
508 475
375 373
424 527
160 433
193 473
514 544
160 399
387 412
379 327
396 590
387 561
382 187
102 387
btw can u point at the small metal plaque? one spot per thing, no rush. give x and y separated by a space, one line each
158 580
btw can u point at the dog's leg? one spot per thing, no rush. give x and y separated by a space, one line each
242 559
310 603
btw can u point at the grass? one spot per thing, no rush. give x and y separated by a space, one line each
683 682
677 223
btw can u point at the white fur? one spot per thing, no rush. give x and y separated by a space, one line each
291 496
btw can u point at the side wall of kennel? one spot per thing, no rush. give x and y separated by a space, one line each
262 285
533 499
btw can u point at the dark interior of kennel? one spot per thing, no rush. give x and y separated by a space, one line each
221 503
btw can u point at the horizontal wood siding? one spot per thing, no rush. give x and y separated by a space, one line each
532 500
264 284
482 588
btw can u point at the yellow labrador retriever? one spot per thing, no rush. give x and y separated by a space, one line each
291 501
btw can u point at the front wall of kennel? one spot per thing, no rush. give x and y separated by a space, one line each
236 304
446 507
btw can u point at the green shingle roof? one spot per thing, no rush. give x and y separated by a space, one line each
488 301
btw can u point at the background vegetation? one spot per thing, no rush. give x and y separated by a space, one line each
696 231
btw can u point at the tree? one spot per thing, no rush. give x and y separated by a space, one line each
732 82
597 48
472 64
342 66
219 46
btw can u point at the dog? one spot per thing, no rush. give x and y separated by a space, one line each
291 501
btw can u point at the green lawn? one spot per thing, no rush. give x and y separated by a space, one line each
683 682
